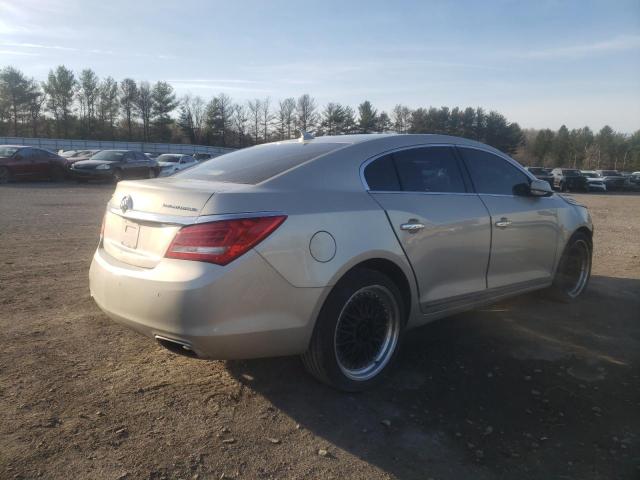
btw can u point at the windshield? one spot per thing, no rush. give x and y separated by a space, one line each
256 164
109 155
8 151
591 175
610 173
168 158
572 173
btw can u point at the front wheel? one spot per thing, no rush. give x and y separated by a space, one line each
117 176
5 175
358 332
574 269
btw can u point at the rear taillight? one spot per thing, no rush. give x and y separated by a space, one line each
102 227
223 241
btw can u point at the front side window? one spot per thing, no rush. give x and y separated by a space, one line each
492 174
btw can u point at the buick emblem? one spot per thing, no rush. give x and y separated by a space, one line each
126 203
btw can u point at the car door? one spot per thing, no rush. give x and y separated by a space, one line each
129 165
20 163
41 163
524 228
442 226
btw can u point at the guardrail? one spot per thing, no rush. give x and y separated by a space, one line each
55 144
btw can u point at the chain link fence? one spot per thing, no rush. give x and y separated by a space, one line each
56 144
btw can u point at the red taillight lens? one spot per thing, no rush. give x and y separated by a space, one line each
223 241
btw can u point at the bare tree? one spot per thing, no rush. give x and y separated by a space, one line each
266 117
240 119
306 112
128 99
108 105
401 117
286 117
88 95
254 112
144 103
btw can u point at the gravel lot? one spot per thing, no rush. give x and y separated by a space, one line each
524 389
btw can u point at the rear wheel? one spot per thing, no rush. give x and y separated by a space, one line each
5 175
357 333
574 269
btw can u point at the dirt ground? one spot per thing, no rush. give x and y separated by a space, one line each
524 389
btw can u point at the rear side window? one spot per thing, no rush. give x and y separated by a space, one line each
256 164
381 175
426 169
432 169
492 174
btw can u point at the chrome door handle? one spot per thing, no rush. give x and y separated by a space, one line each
412 227
504 222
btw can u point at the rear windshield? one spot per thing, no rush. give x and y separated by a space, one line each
109 155
256 164
168 158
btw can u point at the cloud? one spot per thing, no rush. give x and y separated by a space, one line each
616 44
18 53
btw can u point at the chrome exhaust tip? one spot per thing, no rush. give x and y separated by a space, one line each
176 346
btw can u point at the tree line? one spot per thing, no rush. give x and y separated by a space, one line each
71 105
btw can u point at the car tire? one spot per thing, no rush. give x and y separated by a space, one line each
117 175
574 269
5 175
358 332
152 173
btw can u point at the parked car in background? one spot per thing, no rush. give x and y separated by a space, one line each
541 173
633 181
253 254
569 179
152 155
201 157
613 179
73 156
18 162
115 165
171 163
594 181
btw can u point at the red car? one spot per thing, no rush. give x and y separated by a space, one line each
18 162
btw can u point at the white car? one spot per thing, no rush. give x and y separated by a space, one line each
171 163
594 180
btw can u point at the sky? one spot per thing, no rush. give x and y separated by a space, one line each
541 63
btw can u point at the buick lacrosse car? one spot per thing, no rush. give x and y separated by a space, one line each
332 248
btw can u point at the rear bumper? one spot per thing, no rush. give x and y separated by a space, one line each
243 310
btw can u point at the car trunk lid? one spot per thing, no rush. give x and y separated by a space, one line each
143 216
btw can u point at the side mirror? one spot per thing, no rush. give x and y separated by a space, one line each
540 188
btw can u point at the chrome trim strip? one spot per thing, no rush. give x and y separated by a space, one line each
188 220
396 192
489 149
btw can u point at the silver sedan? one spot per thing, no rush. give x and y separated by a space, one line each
332 248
